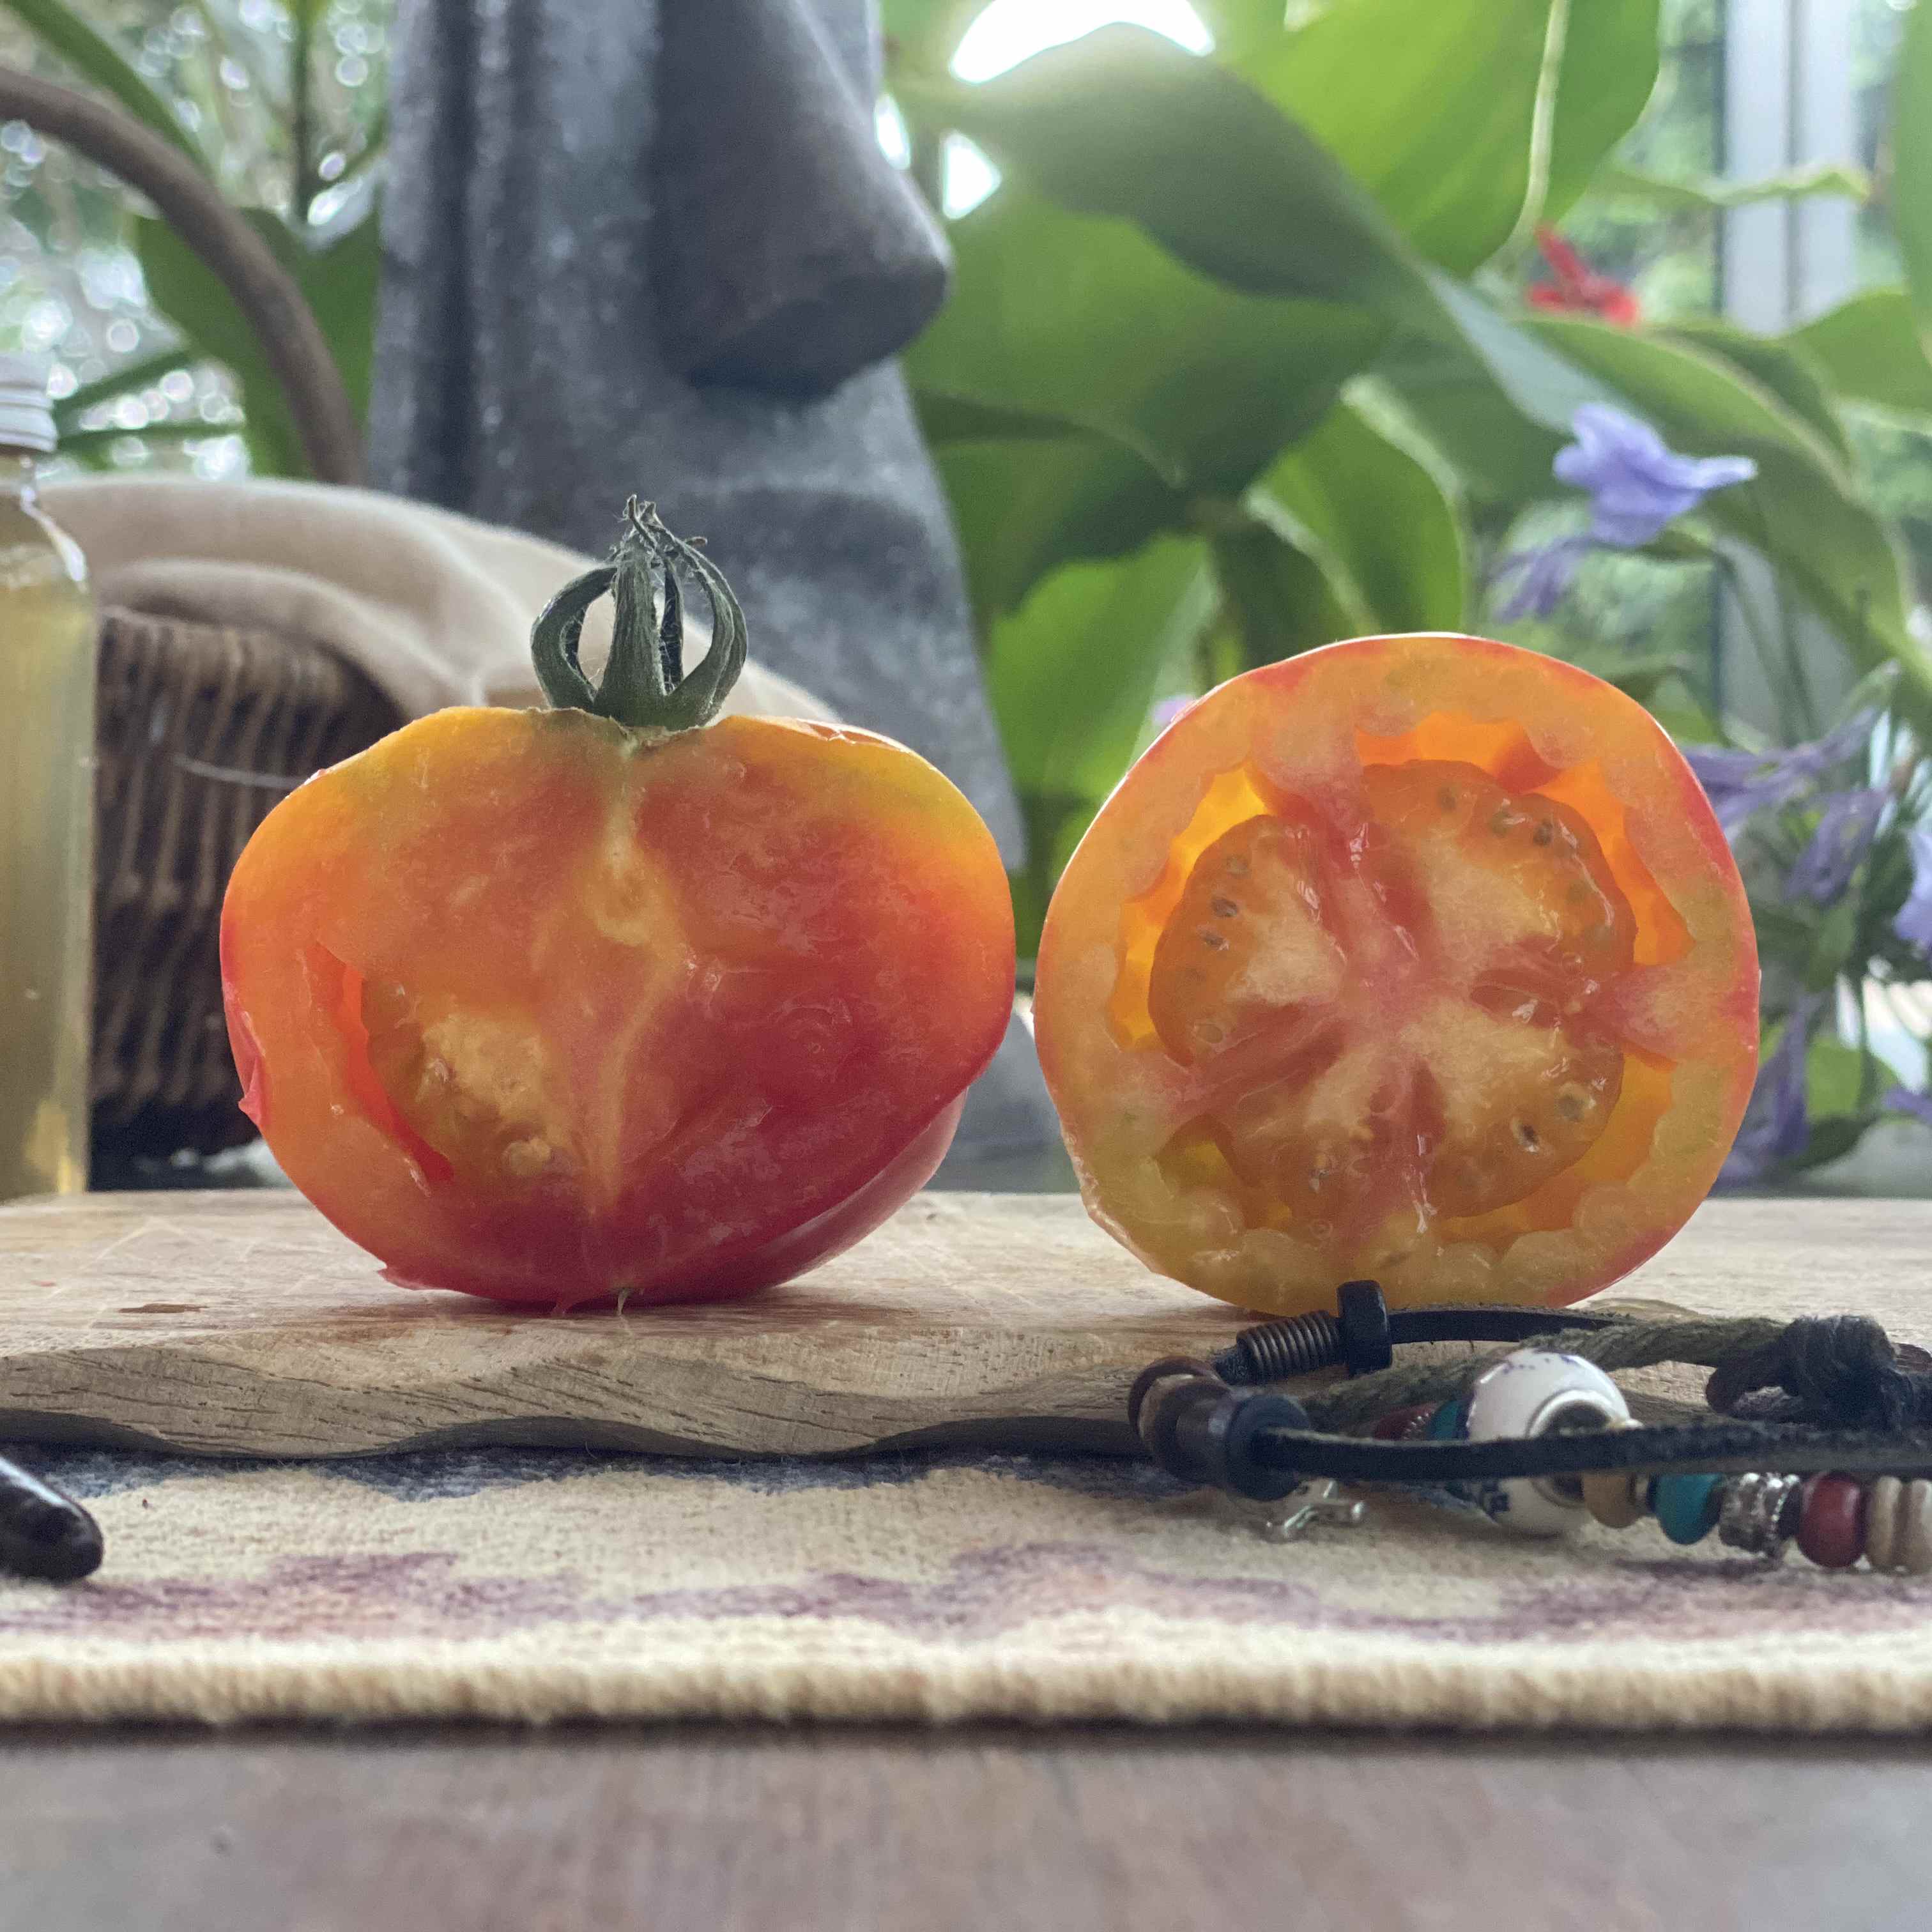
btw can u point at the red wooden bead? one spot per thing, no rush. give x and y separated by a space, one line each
1401 1423
1831 1521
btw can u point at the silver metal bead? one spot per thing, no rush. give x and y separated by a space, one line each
1531 1392
1756 1514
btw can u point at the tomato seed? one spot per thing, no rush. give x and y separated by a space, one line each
1501 820
1446 798
1530 1140
1237 864
1222 908
1544 833
1209 937
1210 1033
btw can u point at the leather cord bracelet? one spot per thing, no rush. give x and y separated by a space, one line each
1538 1437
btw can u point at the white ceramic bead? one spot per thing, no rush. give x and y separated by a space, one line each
1524 1394
1898 1525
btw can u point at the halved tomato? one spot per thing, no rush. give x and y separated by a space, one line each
1421 958
609 1000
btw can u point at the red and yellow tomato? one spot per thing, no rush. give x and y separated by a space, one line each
544 1007
1421 958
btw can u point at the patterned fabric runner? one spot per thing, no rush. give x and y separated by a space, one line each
545 1585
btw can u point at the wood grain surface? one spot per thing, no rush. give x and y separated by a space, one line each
241 1323
1077 1830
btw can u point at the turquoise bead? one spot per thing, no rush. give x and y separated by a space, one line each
1687 1507
1446 1425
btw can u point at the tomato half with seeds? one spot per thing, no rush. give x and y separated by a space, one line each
557 1006
1420 958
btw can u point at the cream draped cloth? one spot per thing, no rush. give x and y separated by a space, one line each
435 607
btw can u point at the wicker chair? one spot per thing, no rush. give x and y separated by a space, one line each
201 728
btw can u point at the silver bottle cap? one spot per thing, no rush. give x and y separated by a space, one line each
26 415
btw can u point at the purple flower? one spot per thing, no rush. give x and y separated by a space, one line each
1903 1100
1548 572
1740 783
1846 828
1637 485
1914 923
1776 1127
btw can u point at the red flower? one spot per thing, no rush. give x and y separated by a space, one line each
1578 289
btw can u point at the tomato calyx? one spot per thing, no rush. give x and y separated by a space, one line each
644 686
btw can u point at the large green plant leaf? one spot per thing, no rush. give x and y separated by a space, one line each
95 57
1282 594
1708 194
1188 388
1911 162
1391 540
1072 674
339 280
1124 124
1869 349
1787 370
1433 107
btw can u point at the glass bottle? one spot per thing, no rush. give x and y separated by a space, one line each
47 661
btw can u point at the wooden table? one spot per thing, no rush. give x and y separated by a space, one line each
736 1830
450 1829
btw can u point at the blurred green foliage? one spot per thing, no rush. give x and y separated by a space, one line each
281 107
1238 363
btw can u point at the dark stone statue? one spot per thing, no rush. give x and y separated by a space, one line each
653 245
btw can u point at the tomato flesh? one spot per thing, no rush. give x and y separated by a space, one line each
545 1010
1412 999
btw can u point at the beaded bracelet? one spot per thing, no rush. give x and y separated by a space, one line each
1539 1439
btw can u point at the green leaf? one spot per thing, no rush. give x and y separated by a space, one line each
921 35
1072 675
1432 107
1608 74
1911 162
945 418
1804 511
1073 672
1383 524
1280 598
339 281
79 443
1123 123
130 376
1870 350
1055 317
1788 372
96 58
1707 193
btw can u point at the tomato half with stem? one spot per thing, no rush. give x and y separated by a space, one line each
1419 958
555 1007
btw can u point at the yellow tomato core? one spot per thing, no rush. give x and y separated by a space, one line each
1523 1105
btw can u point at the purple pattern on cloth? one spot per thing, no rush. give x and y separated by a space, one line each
980 1595
1903 1100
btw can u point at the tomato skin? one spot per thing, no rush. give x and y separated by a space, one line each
541 1009
1207 1154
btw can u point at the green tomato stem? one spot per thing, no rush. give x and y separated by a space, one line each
644 686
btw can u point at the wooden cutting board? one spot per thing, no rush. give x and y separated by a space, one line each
241 1323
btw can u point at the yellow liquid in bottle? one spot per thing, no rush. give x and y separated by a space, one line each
46 845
